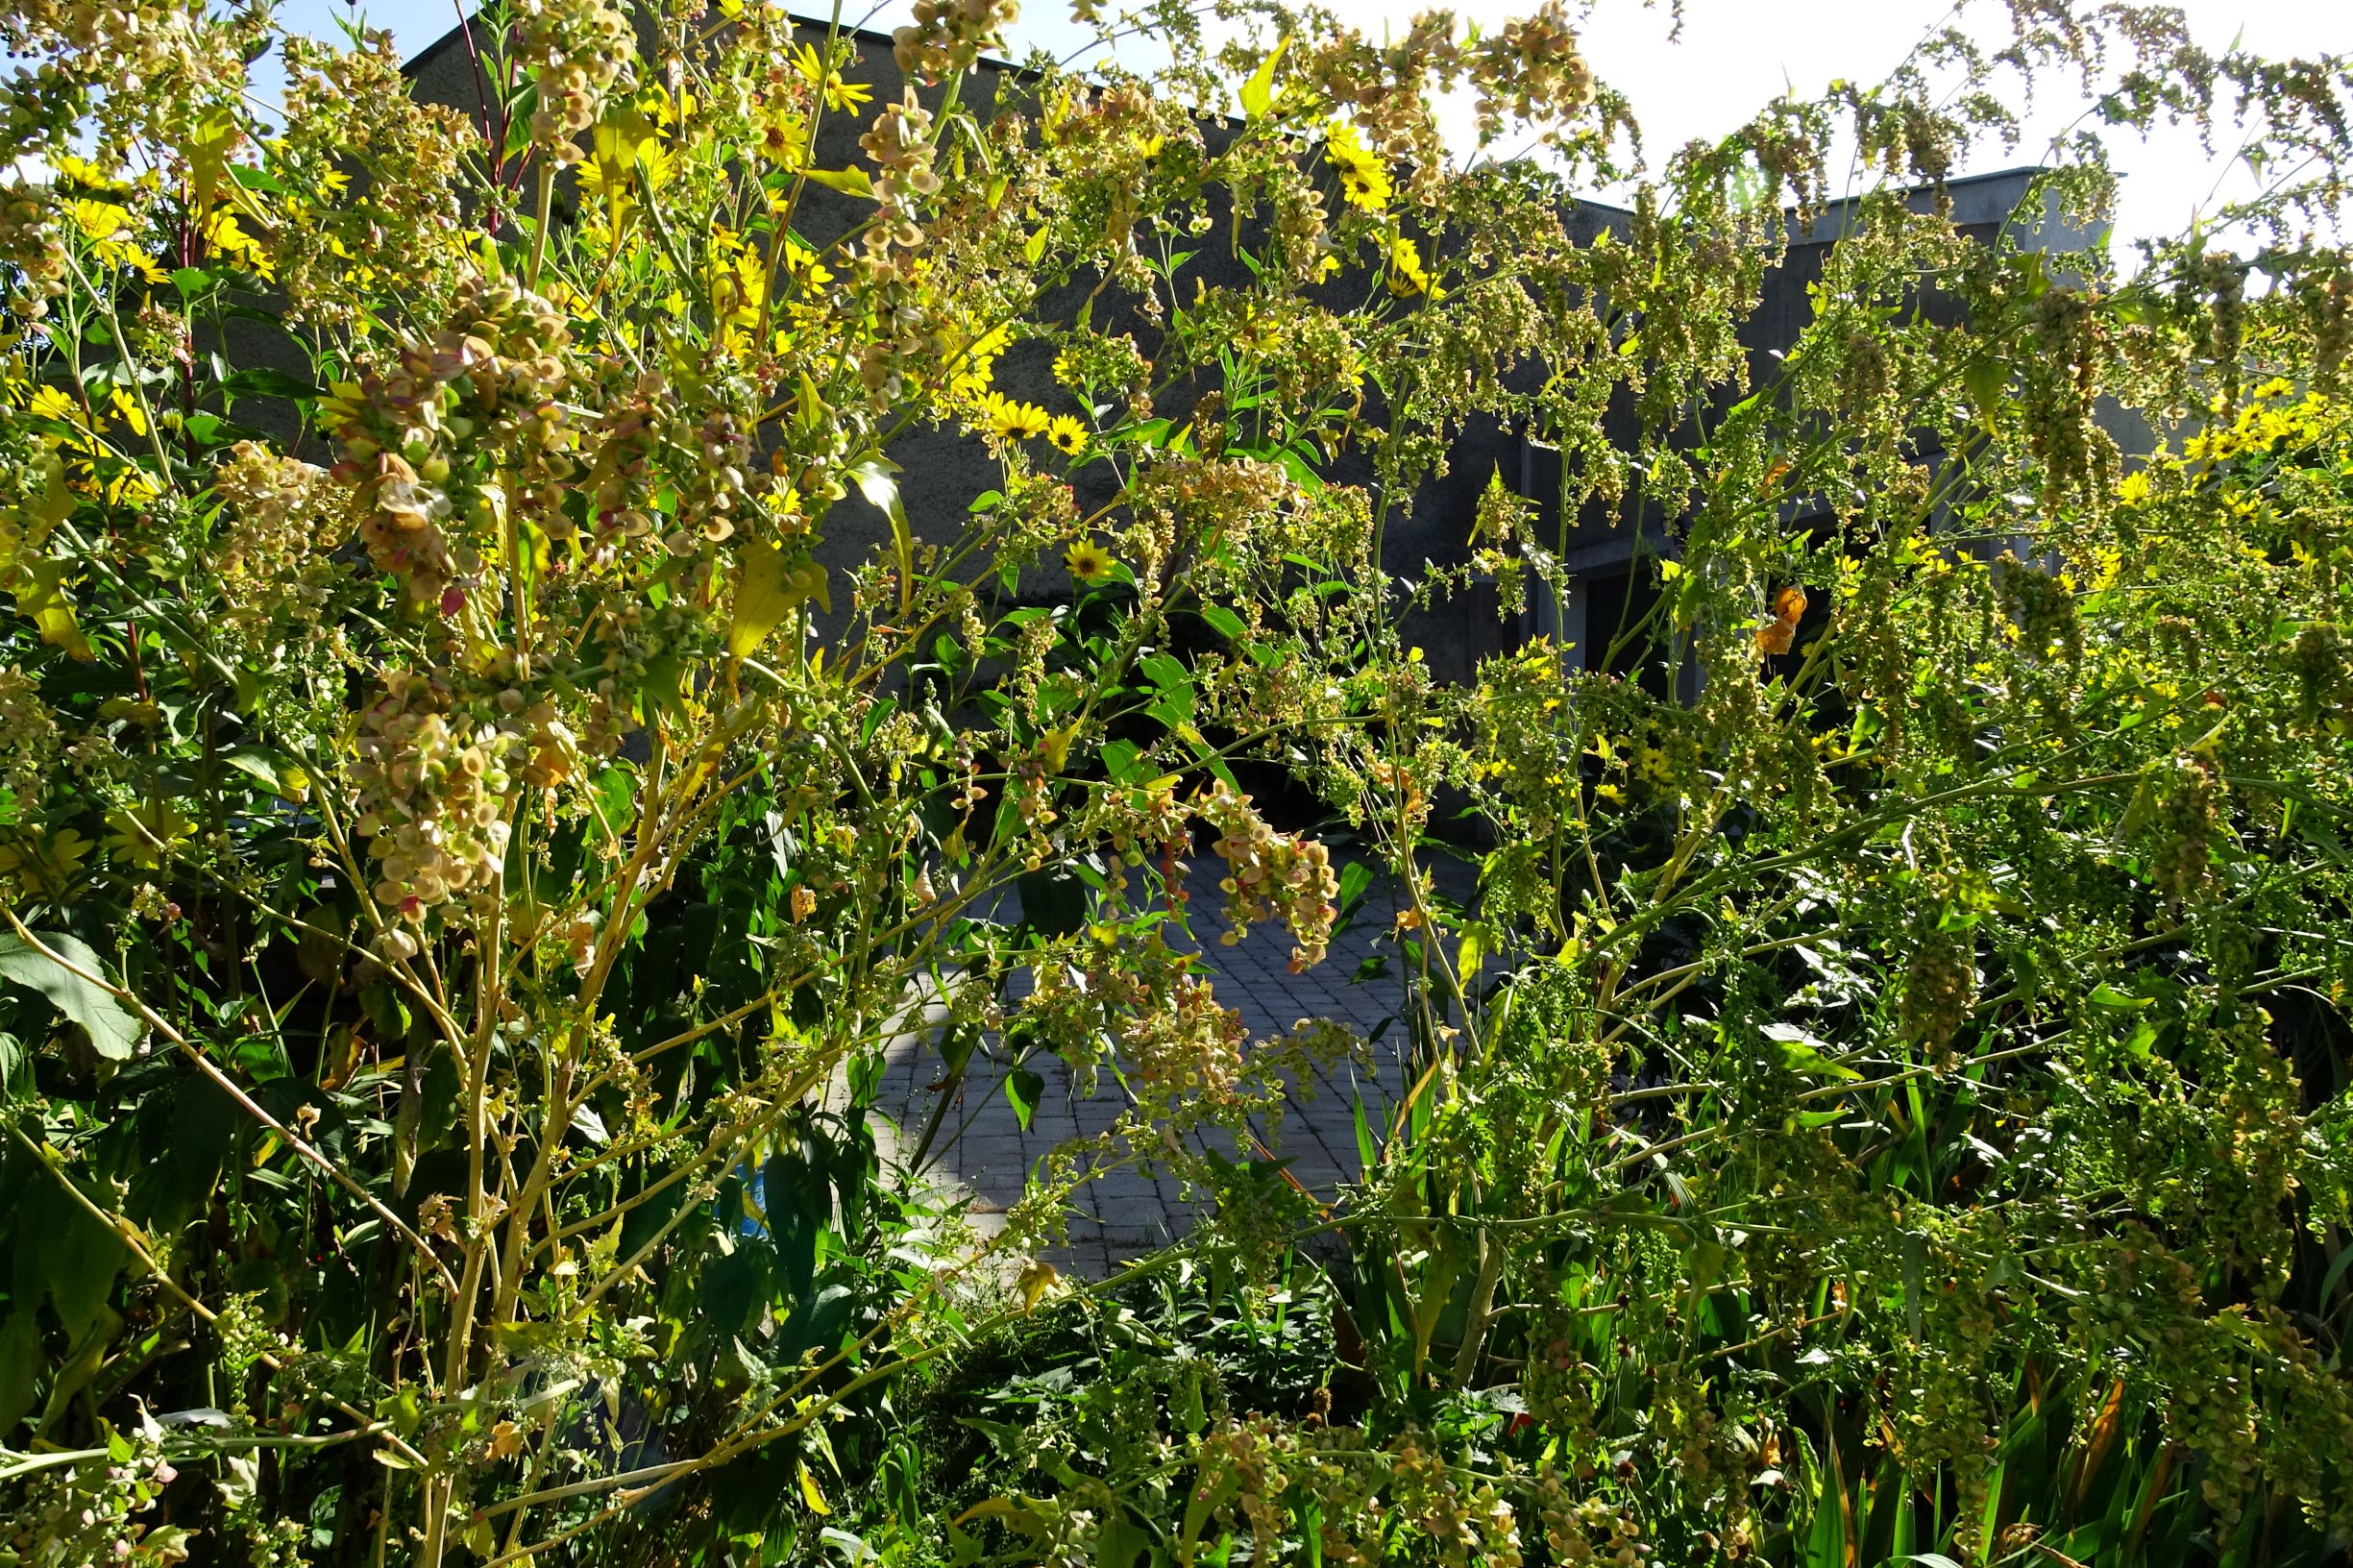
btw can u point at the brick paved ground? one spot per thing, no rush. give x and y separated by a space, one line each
1127 1213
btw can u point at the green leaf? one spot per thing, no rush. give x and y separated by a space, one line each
1985 377
1831 1540
1355 879
1368 1151
271 383
1802 1052
113 1029
280 774
1223 620
77 1261
1259 93
1017 1516
1167 674
1023 1090
1053 901
20 1364
1205 1501
41 599
811 1494
518 114
849 181
616 798
1118 1543
877 486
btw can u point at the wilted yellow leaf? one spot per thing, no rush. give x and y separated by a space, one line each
767 590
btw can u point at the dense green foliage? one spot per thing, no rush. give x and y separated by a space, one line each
467 841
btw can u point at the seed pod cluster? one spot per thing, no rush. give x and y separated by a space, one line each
413 434
1273 876
581 52
432 798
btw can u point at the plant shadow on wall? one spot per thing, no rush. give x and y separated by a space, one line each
486 739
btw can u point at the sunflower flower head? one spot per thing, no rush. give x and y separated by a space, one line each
147 835
1066 435
110 230
229 239
1408 277
841 95
1365 178
1088 562
52 402
42 866
976 370
1012 420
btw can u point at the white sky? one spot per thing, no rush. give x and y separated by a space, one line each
1734 56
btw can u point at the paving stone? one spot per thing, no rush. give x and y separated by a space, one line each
984 1153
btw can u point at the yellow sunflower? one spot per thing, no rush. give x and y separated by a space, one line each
1088 562
976 369
52 403
1408 277
840 95
1365 178
109 228
128 410
43 867
228 238
148 834
1066 435
1011 420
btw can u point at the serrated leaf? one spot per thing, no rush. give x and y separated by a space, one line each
114 1028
